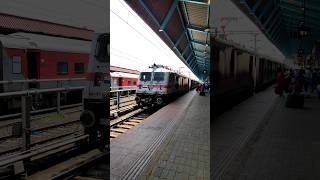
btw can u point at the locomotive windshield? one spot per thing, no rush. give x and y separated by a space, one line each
145 76
158 76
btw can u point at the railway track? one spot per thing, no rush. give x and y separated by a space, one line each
124 123
44 129
94 166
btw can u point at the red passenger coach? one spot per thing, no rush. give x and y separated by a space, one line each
51 59
43 64
41 57
124 79
30 56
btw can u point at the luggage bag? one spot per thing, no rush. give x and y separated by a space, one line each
295 101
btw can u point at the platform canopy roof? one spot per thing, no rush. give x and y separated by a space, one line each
10 24
281 20
183 25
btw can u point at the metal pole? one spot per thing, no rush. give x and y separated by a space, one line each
58 102
82 99
118 100
26 103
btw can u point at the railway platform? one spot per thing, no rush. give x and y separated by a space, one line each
263 139
173 143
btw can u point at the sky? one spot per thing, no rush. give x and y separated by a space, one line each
135 45
227 14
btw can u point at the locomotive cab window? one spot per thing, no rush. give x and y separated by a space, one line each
103 48
145 76
16 65
62 68
158 76
78 68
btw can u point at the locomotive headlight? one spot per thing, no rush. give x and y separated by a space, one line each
87 119
137 99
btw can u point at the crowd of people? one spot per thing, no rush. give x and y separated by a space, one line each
298 81
203 87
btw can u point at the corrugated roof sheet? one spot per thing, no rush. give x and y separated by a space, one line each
180 23
21 24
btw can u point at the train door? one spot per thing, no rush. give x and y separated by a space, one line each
251 65
33 65
232 64
120 83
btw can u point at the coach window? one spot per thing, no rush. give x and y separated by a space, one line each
129 83
78 68
115 82
62 68
16 65
134 82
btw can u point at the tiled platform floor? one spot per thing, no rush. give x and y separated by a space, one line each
232 130
173 143
285 143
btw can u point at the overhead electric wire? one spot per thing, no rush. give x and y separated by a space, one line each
130 55
141 34
164 48
143 25
127 57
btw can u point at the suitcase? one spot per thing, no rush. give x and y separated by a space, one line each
295 101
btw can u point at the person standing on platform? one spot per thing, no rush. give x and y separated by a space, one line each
299 82
317 79
307 81
314 80
198 89
280 82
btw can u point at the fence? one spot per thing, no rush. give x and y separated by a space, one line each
117 99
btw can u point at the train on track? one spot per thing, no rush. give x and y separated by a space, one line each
159 83
238 73
47 62
121 79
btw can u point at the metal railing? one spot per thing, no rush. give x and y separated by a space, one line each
26 104
40 80
122 87
117 97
